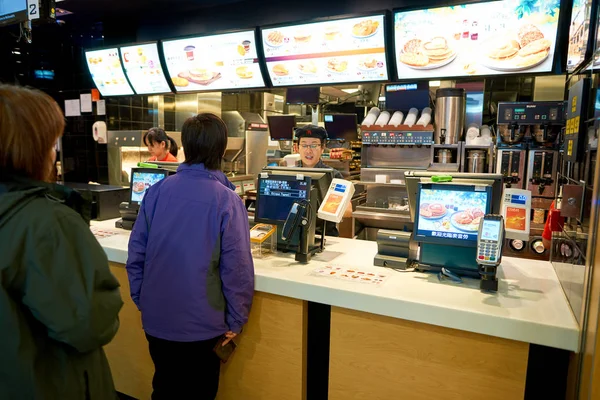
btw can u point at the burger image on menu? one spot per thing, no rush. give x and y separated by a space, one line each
516 51
332 32
243 72
302 36
280 70
418 53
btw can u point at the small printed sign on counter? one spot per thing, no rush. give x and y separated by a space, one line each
103 233
351 275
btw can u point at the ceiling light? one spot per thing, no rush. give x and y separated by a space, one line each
434 83
350 91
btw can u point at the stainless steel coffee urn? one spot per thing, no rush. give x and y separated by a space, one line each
476 161
450 108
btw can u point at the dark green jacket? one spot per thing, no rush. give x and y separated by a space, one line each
59 303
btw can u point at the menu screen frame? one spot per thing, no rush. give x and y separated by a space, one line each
160 61
259 60
386 18
118 55
555 52
588 52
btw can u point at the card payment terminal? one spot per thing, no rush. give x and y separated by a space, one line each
489 250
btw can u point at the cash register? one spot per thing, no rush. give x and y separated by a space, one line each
448 219
290 199
141 180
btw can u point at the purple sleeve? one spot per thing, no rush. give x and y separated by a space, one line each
236 266
137 254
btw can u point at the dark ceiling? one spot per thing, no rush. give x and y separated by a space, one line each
99 10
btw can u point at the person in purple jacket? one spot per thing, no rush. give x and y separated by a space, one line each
190 267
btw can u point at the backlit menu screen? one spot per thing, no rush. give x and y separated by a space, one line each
107 72
579 33
491 38
217 62
336 51
143 68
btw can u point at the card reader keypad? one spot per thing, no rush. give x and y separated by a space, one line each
487 251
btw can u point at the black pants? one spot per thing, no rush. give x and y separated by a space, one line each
184 370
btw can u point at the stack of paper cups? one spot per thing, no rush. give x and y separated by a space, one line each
371 117
383 119
397 118
425 117
411 118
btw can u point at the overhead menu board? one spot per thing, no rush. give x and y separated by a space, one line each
579 33
333 51
107 72
217 62
143 69
498 37
12 11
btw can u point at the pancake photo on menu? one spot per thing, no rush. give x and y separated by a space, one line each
516 51
427 53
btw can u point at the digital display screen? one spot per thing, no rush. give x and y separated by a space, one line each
12 11
303 95
335 51
518 199
491 38
281 127
107 72
341 127
217 62
143 68
451 213
490 230
276 197
579 33
140 183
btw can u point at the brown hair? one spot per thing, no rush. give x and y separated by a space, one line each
30 124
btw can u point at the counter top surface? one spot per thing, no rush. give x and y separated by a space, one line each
530 305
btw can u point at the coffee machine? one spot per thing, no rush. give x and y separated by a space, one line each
447 152
527 149
528 157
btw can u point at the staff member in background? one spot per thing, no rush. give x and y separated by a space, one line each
190 268
162 147
312 141
59 303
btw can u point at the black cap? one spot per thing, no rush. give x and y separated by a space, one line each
311 131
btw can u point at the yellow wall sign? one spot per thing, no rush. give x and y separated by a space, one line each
574 104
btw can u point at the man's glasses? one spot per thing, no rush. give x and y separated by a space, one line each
312 146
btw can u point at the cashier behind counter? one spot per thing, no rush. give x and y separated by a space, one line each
311 143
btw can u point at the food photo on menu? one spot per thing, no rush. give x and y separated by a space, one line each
225 61
107 72
143 68
489 38
348 50
451 214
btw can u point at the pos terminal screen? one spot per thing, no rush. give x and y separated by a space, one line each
141 182
276 195
451 213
